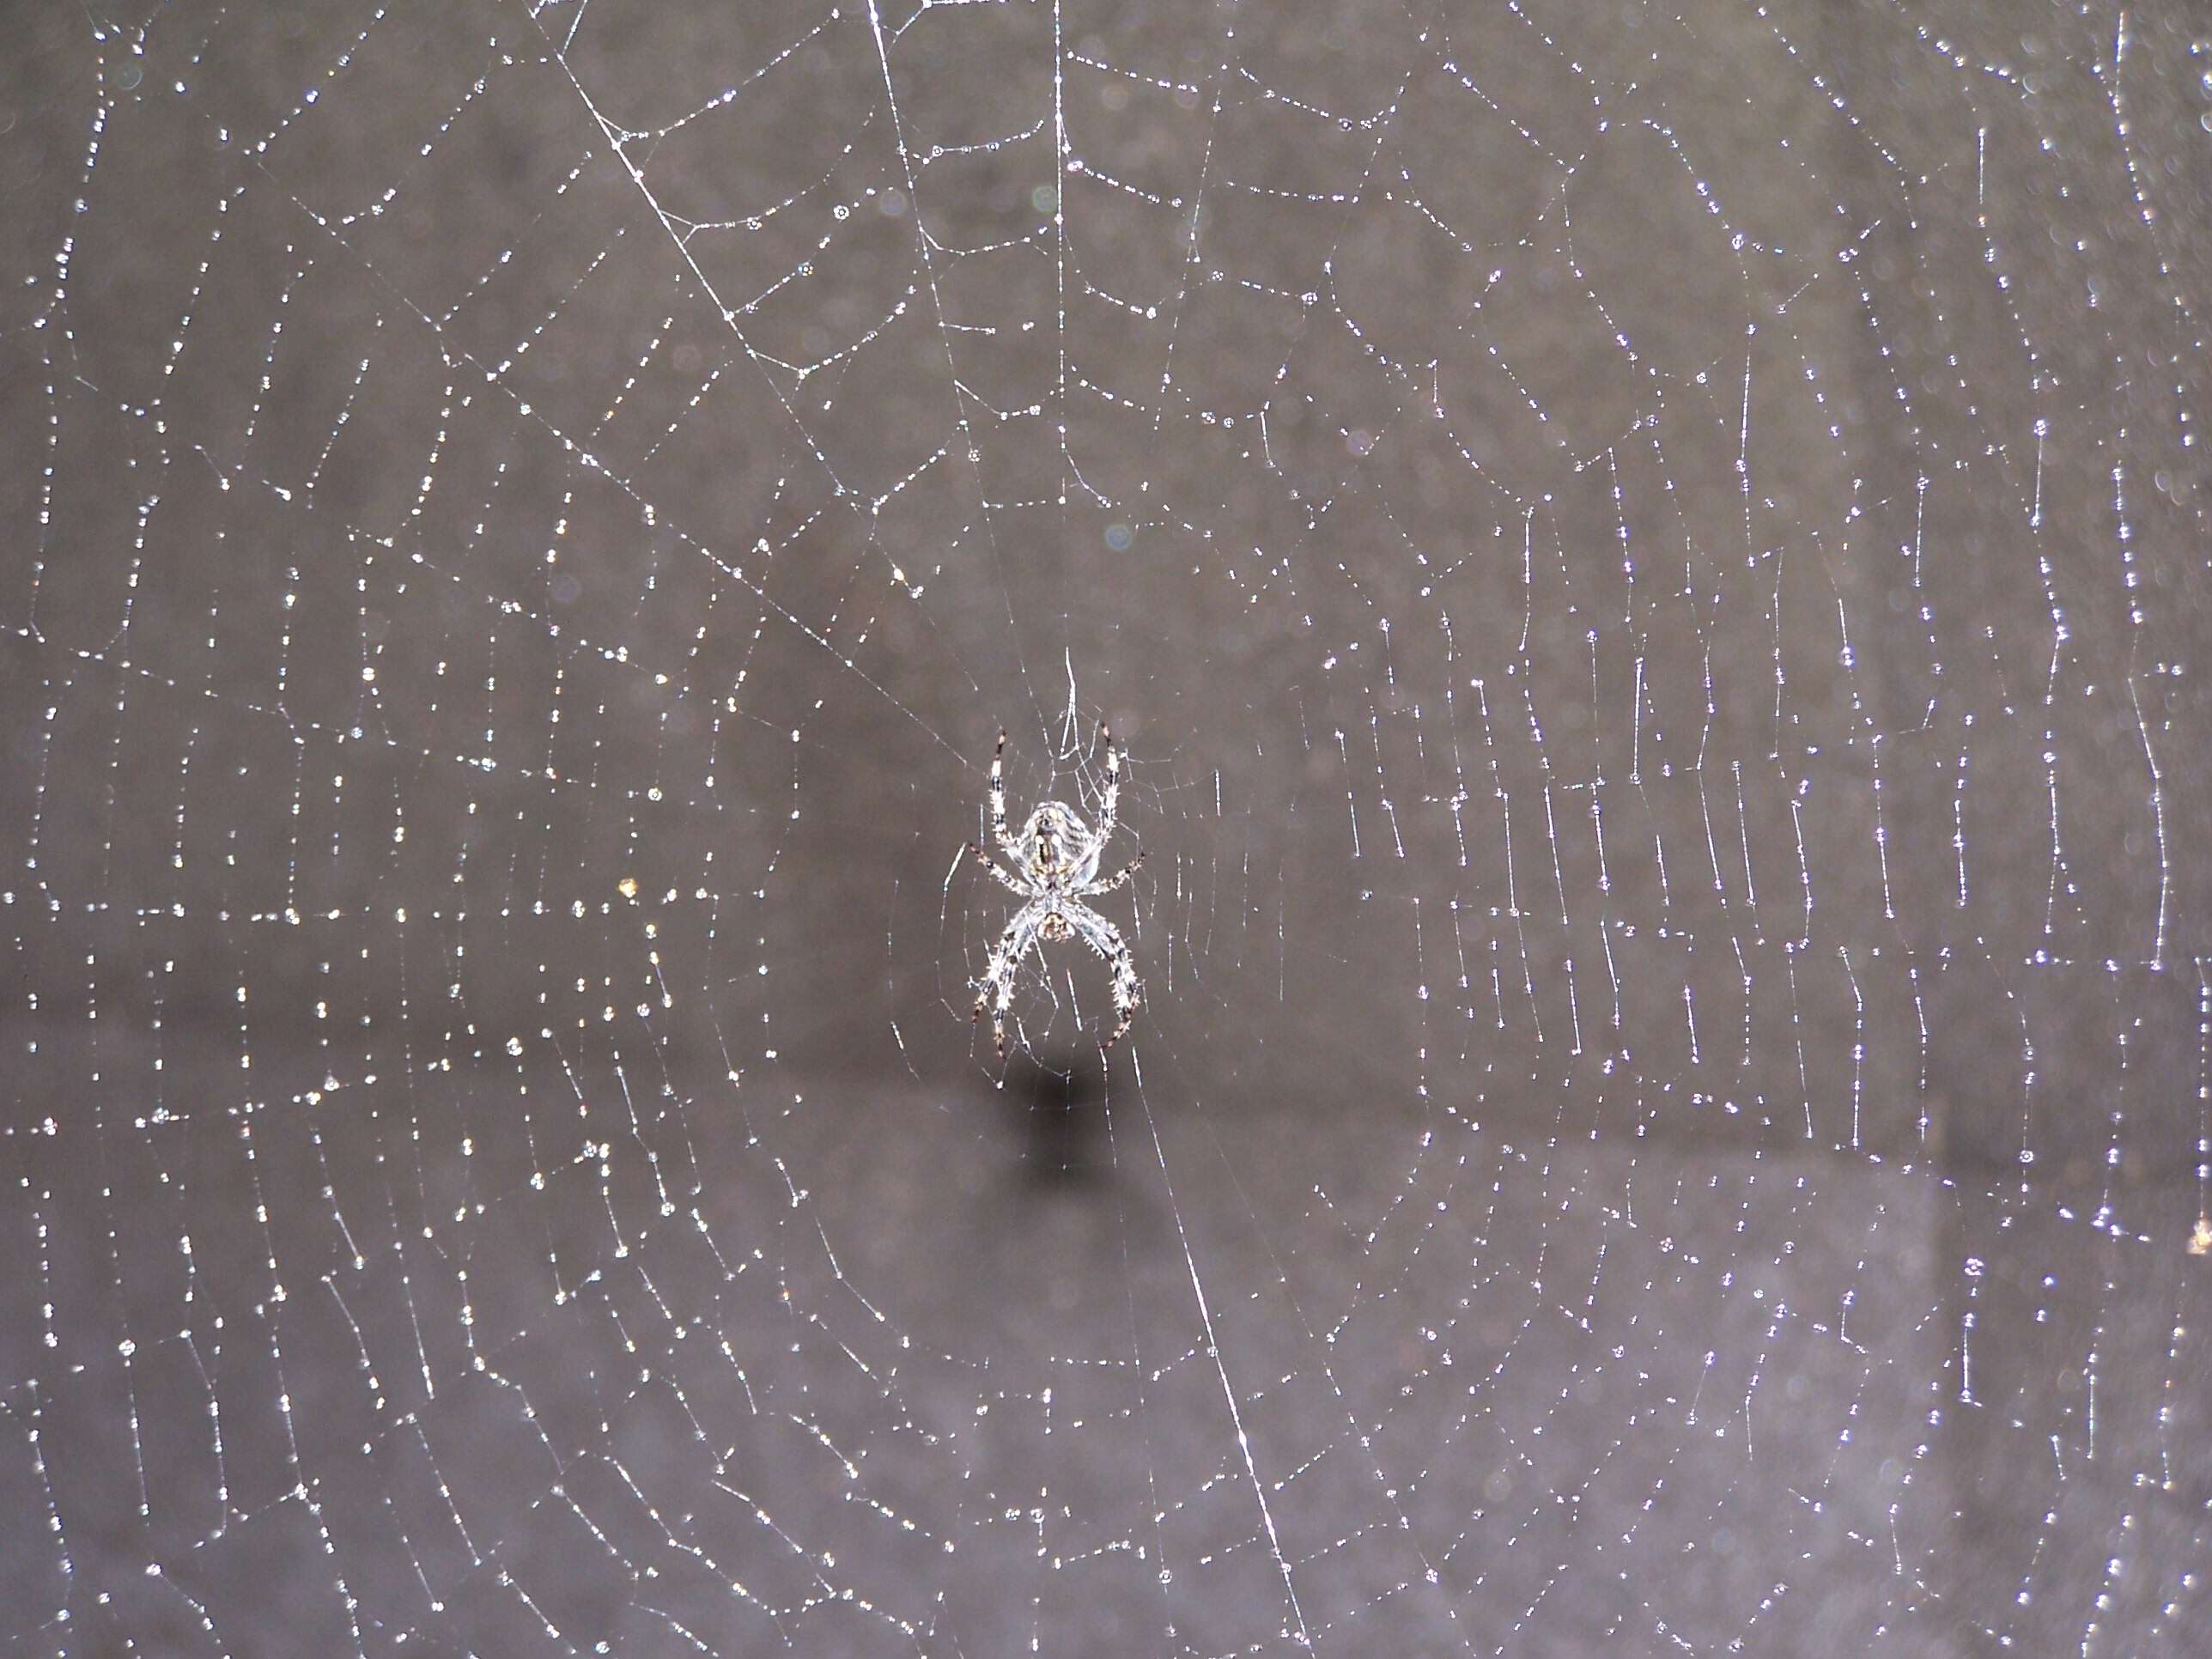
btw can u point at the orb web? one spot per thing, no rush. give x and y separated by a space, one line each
1650 569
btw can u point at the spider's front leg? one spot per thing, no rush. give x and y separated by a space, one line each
999 977
1128 989
1104 937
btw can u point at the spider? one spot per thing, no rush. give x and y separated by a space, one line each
1055 860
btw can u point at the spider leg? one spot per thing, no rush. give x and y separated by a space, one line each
1104 937
998 975
1006 838
1119 878
983 857
1110 802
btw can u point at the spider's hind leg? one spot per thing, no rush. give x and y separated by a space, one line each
999 829
1110 803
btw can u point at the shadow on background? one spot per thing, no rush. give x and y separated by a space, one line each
1058 1118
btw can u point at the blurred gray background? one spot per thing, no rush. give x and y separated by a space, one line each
1651 565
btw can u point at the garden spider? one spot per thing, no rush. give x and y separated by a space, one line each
1055 860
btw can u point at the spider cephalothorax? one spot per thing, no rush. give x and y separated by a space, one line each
1055 859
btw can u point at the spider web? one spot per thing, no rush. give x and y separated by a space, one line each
1649 563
